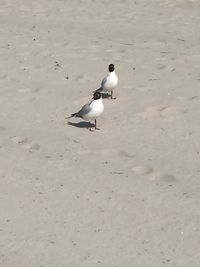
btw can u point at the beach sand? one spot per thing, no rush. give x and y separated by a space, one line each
128 194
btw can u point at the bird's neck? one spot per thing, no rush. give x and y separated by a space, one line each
98 101
112 73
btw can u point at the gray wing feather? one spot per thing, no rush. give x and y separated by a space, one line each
101 90
83 111
103 82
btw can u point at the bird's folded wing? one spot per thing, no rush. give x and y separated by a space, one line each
84 111
104 81
98 90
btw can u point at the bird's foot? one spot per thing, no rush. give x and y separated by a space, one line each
111 96
92 129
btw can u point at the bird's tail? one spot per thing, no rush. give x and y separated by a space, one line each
98 90
72 115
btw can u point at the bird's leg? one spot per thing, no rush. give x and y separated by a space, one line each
90 127
95 121
112 95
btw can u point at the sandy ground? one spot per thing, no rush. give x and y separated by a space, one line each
124 196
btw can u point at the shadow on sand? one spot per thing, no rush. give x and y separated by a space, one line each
105 95
81 124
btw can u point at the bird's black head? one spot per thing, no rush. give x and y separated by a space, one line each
96 95
111 67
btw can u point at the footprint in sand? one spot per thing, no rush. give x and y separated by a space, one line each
151 174
35 90
165 112
126 154
3 77
194 98
121 51
185 100
161 67
25 143
19 139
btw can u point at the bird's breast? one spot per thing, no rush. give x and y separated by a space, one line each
110 83
97 109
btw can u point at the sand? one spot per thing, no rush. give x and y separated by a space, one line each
128 194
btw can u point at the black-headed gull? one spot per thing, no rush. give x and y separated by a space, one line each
109 83
92 110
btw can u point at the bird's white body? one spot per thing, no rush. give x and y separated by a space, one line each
109 82
96 108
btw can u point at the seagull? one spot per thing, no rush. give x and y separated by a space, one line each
109 83
92 110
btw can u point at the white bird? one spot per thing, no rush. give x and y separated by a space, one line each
110 82
92 110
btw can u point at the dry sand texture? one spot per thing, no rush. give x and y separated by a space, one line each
124 196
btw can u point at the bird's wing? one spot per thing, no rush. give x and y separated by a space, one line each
103 82
84 110
101 90
98 90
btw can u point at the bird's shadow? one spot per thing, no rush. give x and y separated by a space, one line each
81 124
106 95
